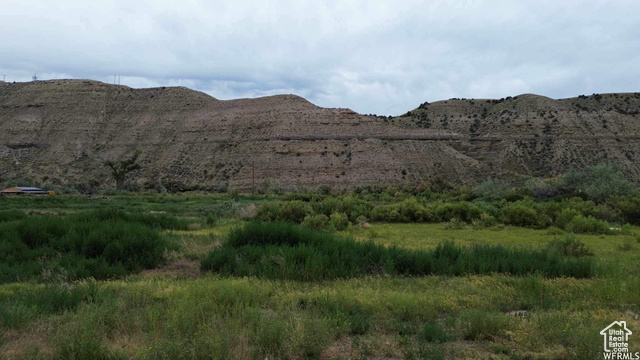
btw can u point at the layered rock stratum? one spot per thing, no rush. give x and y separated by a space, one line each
63 130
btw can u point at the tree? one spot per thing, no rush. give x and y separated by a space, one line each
598 182
120 169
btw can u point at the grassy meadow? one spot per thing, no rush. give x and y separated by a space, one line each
353 276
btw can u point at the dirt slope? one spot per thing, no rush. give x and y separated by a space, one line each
63 130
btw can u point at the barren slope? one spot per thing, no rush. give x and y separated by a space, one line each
65 129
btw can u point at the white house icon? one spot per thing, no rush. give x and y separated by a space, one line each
617 332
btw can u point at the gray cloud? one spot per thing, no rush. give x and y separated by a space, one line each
379 57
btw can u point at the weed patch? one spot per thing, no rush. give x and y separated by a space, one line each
569 246
287 251
101 244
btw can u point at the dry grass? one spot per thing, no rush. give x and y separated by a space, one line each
181 268
26 342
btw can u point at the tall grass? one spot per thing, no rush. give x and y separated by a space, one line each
287 251
100 244
10 215
155 221
30 303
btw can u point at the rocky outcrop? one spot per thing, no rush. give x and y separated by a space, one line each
63 130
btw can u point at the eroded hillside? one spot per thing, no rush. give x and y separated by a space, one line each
63 130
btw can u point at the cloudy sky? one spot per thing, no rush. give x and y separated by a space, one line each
381 57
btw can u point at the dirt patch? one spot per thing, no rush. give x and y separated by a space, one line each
126 343
177 268
339 349
247 211
384 348
18 344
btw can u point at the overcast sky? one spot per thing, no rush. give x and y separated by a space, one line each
383 57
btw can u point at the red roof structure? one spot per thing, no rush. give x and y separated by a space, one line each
23 190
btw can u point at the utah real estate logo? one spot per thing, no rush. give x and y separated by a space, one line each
616 342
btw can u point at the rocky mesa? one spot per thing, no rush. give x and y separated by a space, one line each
63 130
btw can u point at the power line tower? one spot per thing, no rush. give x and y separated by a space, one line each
34 77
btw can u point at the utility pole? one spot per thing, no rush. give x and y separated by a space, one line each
253 176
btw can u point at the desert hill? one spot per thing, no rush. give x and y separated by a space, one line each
63 130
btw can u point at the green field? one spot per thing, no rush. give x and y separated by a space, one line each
176 309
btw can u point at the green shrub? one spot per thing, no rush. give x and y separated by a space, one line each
359 323
385 214
406 211
492 189
410 210
433 333
454 224
382 207
270 339
517 194
482 325
628 206
131 186
590 225
109 191
462 210
566 216
543 221
220 210
484 221
211 219
80 337
89 187
598 182
26 305
361 219
349 205
522 214
555 231
339 221
316 337
100 244
627 245
549 208
287 211
585 207
609 214
569 245
544 188
154 221
317 222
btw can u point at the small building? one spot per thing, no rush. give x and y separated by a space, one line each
23 190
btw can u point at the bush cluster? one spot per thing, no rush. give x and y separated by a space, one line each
597 183
569 245
573 214
100 244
